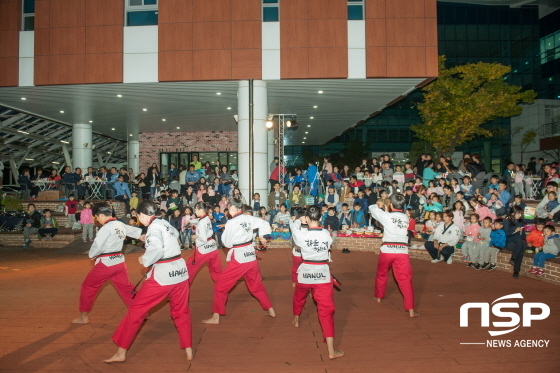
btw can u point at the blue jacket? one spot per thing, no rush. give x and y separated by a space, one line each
113 178
428 175
219 219
298 179
504 197
192 177
25 180
498 239
362 202
173 172
121 189
312 174
358 218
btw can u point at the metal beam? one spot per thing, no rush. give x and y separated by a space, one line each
12 120
22 159
14 168
111 153
67 157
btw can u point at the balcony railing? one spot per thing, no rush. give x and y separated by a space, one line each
550 129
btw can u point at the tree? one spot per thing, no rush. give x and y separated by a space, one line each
462 99
418 148
354 153
527 138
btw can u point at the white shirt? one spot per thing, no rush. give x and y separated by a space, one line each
239 232
449 235
395 230
109 239
315 244
162 242
296 224
204 242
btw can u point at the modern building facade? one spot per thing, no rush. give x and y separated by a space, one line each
182 68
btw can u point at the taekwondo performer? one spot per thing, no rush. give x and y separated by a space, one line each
314 274
167 277
296 250
109 261
206 249
238 236
394 251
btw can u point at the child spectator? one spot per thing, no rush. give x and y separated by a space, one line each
481 210
494 204
86 219
70 208
219 222
324 214
387 172
471 240
49 225
460 196
332 198
550 250
411 230
518 180
175 219
497 243
256 203
282 218
361 200
349 200
408 172
344 217
434 204
134 201
223 204
550 205
431 188
459 215
396 188
440 185
454 184
357 216
417 185
399 177
535 239
174 184
331 221
263 214
186 227
467 188
383 197
528 186
483 245
429 226
173 202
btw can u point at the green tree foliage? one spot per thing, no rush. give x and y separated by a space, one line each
354 152
462 99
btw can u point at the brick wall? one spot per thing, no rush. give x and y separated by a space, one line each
552 268
153 143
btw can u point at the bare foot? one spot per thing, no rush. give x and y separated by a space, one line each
293 284
295 321
215 319
189 352
119 357
413 313
378 300
270 312
336 354
81 320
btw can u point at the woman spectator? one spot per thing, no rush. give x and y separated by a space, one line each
481 210
446 236
429 173
464 162
190 198
144 185
226 180
152 181
477 171
131 175
327 169
515 238
207 168
237 194
54 176
202 193
154 165
80 187
214 175
345 173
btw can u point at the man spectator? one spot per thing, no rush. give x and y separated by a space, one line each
532 166
122 193
448 198
173 171
503 195
275 175
192 177
24 181
273 164
103 175
124 174
509 175
356 184
32 220
183 179
539 166
555 213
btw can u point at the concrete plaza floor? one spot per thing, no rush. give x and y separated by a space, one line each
39 292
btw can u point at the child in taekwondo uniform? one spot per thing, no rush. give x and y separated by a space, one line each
296 250
167 277
314 274
206 248
109 261
394 250
241 258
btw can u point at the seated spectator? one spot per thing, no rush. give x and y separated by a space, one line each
283 217
550 250
535 239
356 184
122 193
494 204
481 210
467 188
446 236
331 198
24 181
263 214
32 220
503 195
496 244
550 187
551 205
49 225
357 216
518 201
54 176
344 217
434 204
276 198
174 184
449 198
331 221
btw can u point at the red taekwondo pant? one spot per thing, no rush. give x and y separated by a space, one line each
403 275
233 272
324 297
296 262
214 264
99 274
150 295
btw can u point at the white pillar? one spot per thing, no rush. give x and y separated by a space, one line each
82 141
270 147
260 112
134 156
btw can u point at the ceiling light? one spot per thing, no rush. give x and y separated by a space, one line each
91 121
303 142
315 107
218 93
65 142
178 128
292 123
229 108
108 152
23 98
305 138
131 134
145 109
24 132
320 92
29 159
112 129
56 162
61 111
119 95
163 120
310 117
307 132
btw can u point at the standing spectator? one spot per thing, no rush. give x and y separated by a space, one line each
274 177
226 180
173 171
196 163
32 221
428 174
420 164
464 162
86 219
515 238
1 173
532 166
70 209
183 179
24 181
477 171
273 164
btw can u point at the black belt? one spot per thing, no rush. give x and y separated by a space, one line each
242 244
170 259
109 254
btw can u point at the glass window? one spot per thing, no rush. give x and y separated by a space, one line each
28 13
270 1
28 6
28 23
355 12
270 14
141 12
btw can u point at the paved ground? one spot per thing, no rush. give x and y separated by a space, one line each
39 295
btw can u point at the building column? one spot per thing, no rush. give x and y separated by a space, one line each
260 143
82 141
270 146
134 156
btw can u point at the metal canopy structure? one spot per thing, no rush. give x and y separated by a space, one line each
31 140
